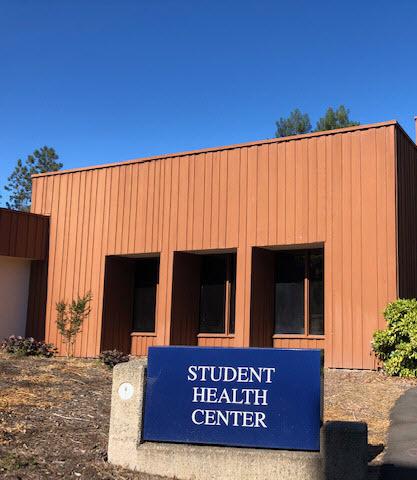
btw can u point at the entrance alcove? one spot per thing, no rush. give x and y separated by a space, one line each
130 299
287 297
203 296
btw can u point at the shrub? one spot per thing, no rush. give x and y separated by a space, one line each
27 347
70 319
396 346
113 357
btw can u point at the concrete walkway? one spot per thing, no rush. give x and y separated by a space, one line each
400 460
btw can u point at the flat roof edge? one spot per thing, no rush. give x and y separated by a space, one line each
21 212
221 148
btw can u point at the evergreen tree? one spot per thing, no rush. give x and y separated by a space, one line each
333 119
296 124
20 182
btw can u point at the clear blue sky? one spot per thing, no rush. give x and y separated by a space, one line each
109 80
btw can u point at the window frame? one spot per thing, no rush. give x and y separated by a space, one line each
230 285
307 252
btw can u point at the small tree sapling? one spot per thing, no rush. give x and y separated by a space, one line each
70 319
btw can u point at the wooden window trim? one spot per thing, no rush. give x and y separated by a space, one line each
216 335
306 294
143 334
228 295
298 335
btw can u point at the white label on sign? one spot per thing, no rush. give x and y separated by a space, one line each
125 391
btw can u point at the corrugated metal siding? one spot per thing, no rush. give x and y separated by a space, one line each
299 343
185 299
337 188
23 234
262 298
117 306
141 343
407 215
36 309
223 341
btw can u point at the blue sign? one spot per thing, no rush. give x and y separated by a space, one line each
252 397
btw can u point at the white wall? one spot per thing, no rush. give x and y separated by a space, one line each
14 289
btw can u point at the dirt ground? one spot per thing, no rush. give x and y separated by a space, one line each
54 416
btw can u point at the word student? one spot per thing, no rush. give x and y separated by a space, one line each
204 373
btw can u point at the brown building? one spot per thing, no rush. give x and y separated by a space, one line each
23 257
295 242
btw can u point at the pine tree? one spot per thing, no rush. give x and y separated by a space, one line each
333 119
20 182
297 123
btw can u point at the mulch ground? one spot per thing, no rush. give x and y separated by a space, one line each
54 416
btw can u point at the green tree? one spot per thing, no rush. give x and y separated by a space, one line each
333 119
20 183
297 123
70 319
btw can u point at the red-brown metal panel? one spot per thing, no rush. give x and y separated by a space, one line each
334 188
262 298
185 299
118 302
23 234
141 343
36 309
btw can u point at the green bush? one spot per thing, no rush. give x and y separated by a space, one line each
396 346
27 347
113 357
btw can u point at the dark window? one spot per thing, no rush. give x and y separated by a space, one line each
144 305
217 285
289 293
299 293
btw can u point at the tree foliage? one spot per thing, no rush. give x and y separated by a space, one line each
19 183
333 119
396 346
70 318
297 123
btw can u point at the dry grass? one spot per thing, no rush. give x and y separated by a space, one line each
54 415
363 396
54 420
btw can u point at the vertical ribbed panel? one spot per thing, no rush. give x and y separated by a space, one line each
299 343
185 299
35 315
140 344
337 189
407 215
23 234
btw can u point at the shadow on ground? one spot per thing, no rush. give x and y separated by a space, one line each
400 458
